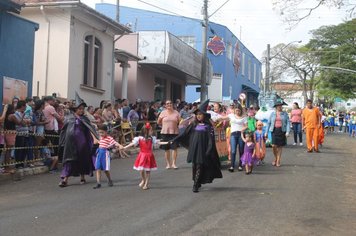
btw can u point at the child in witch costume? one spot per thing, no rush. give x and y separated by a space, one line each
199 139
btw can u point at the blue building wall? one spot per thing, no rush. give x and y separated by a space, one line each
17 38
141 20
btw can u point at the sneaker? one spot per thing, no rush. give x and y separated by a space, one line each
231 169
240 168
294 144
110 183
301 144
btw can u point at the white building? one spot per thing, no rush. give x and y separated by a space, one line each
74 49
291 93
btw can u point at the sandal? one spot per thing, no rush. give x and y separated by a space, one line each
145 187
274 163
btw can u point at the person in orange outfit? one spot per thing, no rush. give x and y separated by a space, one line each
321 129
311 124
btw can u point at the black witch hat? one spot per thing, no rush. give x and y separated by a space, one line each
203 107
79 101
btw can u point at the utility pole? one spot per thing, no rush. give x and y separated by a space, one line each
204 88
268 58
118 11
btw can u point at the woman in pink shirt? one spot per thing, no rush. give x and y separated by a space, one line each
169 120
296 119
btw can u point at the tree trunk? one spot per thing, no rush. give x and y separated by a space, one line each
305 90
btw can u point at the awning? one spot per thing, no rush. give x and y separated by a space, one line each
249 89
171 55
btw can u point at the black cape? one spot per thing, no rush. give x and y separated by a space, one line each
67 138
201 150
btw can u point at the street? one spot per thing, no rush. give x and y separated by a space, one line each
310 194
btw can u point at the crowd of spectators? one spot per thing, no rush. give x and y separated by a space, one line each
29 128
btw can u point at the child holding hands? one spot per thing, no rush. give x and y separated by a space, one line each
249 156
102 162
145 161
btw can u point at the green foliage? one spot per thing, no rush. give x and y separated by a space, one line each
336 47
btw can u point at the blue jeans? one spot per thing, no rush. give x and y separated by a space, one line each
235 139
297 131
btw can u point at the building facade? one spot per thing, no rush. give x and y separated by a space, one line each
17 39
74 50
164 66
235 68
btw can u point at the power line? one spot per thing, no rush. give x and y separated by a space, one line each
152 5
219 8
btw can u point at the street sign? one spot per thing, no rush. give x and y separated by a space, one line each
242 96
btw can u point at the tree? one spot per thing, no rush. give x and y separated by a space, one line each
294 11
336 47
293 63
330 46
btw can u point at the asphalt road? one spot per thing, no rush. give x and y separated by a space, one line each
311 194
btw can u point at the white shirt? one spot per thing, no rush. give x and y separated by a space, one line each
121 112
136 140
214 116
237 124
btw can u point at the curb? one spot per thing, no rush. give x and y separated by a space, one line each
21 173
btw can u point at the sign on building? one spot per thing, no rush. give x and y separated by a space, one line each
216 45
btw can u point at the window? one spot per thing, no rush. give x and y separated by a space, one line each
92 62
229 51
160 89
176 91
254 73
190 40
243 64
249 69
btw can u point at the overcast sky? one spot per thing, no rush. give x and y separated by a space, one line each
252 21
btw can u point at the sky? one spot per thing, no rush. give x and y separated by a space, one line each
254 22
